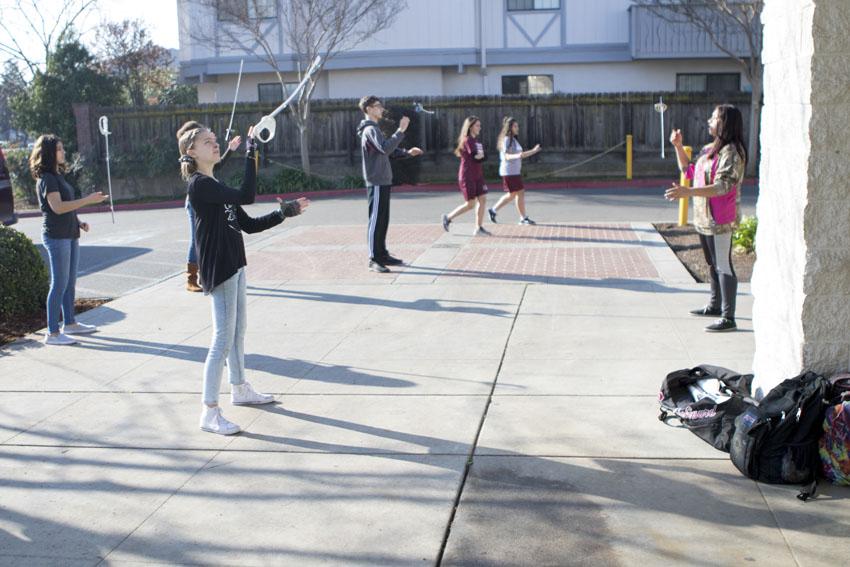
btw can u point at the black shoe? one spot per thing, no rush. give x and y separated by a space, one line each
526 220
378 267
391 261
722 325
705 312
446 222
492 214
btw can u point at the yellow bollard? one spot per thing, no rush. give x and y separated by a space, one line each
684 181
629 156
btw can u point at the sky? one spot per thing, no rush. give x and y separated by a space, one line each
160 17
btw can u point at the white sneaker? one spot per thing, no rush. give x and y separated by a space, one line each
60 339
245 395
214 422
79 329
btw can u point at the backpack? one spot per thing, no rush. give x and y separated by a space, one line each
834 446
776 441
706 400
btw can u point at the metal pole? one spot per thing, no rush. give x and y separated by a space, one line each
629 156
660 107
103 126
685 182
235 98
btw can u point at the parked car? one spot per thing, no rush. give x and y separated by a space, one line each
7 200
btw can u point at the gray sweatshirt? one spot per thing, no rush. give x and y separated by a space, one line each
377 151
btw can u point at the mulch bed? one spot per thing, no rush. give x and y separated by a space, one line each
25 324
684 241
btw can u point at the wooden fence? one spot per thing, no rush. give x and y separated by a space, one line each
584 123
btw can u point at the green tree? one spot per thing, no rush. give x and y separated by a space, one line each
70 76
12 84
177 93
127 53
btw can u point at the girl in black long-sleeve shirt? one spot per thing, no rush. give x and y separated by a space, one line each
219 223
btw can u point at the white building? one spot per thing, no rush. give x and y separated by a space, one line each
475 47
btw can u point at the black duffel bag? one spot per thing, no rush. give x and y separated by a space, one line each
706 400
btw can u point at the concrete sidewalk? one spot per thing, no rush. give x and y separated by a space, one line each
492 403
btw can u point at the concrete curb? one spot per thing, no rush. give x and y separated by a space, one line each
446 187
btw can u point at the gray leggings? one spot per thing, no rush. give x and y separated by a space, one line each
724 283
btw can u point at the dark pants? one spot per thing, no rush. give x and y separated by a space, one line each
724 283
379 220
192 255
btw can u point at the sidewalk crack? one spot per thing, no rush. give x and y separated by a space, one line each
471 455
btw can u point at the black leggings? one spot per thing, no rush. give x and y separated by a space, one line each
724 282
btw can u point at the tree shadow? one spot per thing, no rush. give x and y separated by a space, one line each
94 258
283 367
422 304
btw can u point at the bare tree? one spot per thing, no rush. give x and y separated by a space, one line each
724 22
309 28
126 51
44 23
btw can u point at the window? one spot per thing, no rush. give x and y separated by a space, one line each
269 92
527 84
708 82
243 10
528 5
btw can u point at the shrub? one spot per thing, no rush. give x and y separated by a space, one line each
81 173
744 238
23 185
23 276
265 184
351 182
85 175
150 159
290 180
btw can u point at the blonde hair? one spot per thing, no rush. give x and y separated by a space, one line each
506 132
188 166
464 132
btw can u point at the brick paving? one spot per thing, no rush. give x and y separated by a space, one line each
553 263
557 234
541 253
356 235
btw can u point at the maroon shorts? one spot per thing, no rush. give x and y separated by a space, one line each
472 189
511 183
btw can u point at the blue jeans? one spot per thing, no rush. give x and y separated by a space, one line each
64 257
192 256
229 312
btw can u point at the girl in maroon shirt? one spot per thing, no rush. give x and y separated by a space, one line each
470 176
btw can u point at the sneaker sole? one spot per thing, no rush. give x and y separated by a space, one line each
271 401
207 429
721 330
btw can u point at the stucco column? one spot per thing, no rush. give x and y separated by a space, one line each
801 281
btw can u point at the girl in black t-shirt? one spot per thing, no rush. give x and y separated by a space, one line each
219 223
61 236
192 255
